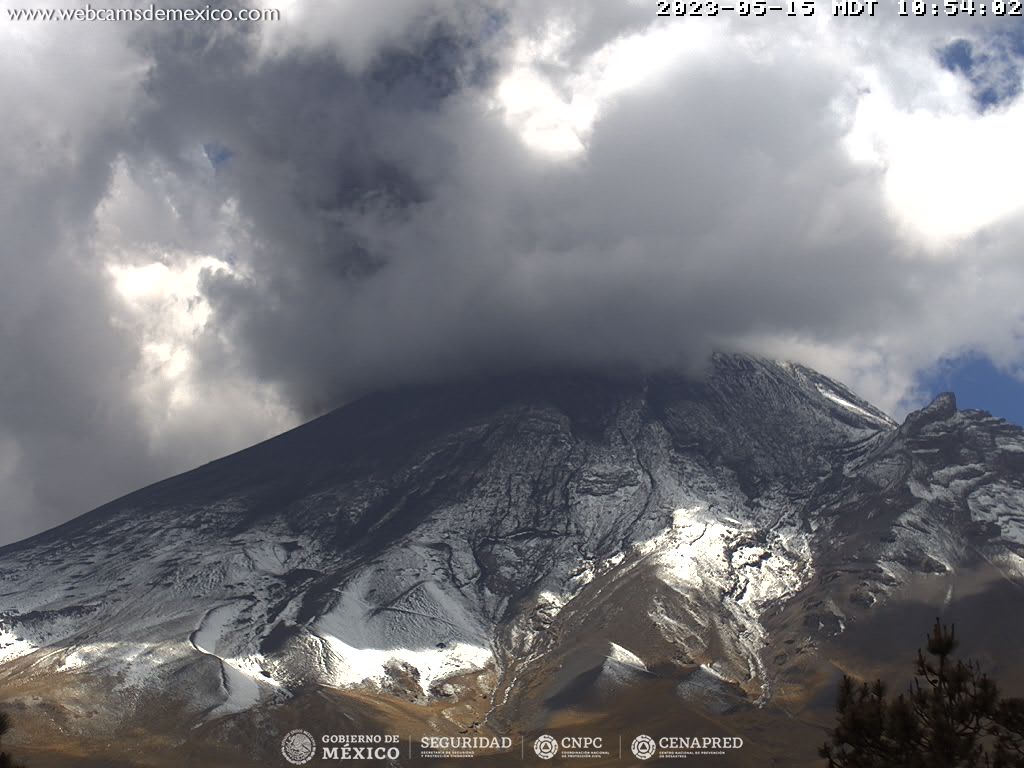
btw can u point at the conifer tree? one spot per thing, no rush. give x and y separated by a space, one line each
951 717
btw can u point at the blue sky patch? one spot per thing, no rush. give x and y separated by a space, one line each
217 154
991 65
977 383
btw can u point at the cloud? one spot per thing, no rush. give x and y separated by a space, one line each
214 231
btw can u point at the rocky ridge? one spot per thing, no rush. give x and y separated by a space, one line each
535 543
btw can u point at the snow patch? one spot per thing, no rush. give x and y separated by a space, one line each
13 646
349 666
1000 503
243 680
628 658
1010 446
427 627
853 408
214 625
1012 566
136 665
549 600
740 564
242 675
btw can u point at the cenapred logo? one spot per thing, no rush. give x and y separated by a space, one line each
298 746
546 747
644 747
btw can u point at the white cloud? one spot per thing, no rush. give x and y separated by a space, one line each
556 114
353 30
587 184
949 171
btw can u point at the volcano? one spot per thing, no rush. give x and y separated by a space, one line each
577 555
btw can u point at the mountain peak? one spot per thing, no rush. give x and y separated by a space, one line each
942 408
514 548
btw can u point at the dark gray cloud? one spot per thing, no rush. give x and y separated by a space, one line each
426 240
214 231
64 438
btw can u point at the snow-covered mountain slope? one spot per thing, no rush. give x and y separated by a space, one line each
462 544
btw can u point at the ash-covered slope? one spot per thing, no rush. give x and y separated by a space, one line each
519 548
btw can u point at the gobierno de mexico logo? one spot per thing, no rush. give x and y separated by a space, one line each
298 746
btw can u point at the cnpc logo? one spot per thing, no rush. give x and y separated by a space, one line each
546 746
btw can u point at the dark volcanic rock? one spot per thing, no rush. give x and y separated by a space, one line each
710 541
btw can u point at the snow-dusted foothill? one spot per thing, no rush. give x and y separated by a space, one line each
411 539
